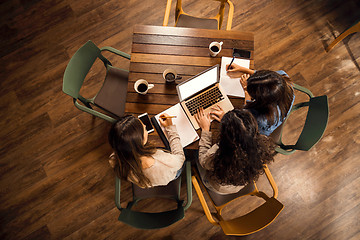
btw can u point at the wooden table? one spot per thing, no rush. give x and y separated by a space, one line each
156 48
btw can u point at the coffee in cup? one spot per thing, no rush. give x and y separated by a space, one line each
170 77
141 86
215 48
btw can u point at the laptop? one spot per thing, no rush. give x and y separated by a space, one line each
202 90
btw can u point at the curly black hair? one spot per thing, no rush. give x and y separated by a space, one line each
242 150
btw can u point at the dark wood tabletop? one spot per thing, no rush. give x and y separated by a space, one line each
186 50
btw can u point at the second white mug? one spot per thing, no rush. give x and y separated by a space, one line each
215 48
169 75
141 86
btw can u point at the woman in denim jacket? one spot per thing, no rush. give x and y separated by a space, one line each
269 96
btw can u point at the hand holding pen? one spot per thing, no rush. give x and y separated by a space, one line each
165 119
229 66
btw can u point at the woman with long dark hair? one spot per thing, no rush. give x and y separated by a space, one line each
138 161
238 156
269 96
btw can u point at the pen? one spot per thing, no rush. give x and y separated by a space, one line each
232 60
168 117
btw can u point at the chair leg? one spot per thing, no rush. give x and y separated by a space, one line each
355 28
167 13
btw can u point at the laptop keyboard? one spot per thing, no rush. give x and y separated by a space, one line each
204 100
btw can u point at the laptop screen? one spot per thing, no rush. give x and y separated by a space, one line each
198 83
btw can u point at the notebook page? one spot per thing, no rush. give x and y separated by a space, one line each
232 86
186 131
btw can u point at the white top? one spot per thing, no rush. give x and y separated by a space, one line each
166 163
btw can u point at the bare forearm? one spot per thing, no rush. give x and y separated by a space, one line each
249 71
247 97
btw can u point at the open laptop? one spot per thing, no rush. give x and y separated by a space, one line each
202 90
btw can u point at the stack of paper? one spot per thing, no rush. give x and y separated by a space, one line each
186 131
232 86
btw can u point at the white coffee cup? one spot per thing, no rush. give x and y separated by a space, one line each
141 86
215 48
170 75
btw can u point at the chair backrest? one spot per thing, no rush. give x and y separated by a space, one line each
146 220
199 22
249 223
314 127
221 200
143 220
254 221
315 124
78 67
112 96
172 190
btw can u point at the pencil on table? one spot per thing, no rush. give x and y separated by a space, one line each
168 117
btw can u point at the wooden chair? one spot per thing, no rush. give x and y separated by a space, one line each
314 127
183 19
112 95
155 220
249 223
353 29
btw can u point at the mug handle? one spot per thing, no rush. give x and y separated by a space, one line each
221 43
150 86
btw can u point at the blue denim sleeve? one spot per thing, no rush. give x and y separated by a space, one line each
282 72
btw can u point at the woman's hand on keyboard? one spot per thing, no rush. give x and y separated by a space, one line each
203 119
217 113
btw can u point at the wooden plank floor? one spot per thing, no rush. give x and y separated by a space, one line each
55 179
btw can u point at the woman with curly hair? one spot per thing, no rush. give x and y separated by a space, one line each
238 157
269 96
139 162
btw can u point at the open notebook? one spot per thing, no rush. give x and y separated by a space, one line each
186 131
232 86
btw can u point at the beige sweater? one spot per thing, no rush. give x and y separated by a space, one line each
166 164
206 160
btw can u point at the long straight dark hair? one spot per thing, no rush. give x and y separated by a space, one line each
270 90
126 137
